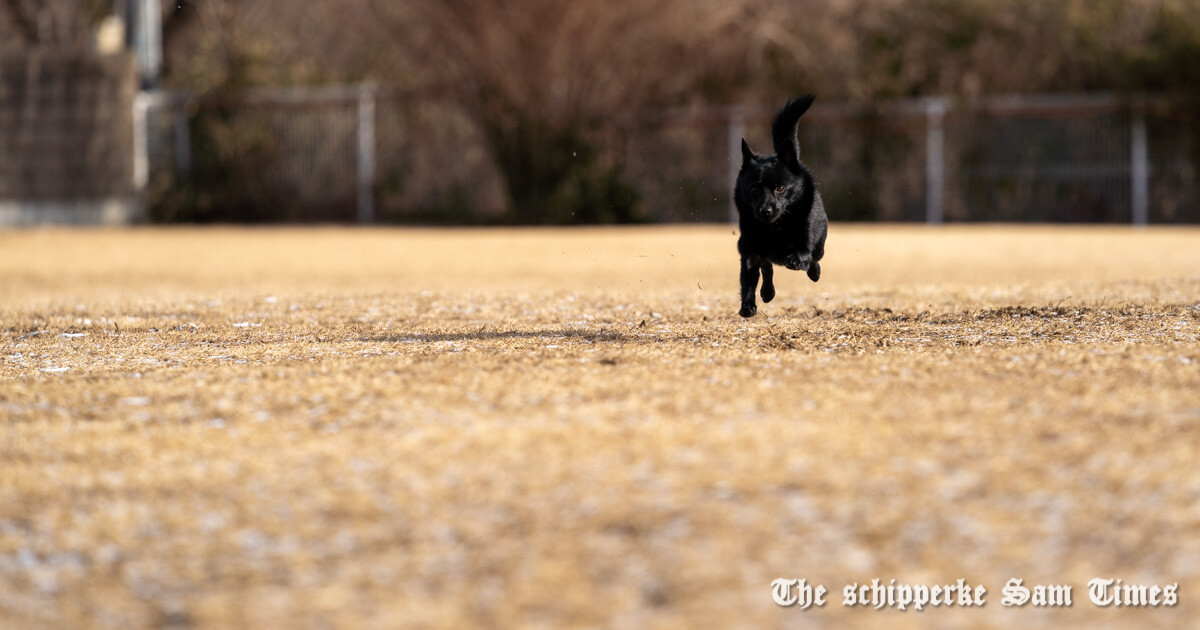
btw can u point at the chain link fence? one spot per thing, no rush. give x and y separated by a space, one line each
366 154
65 128
356 153
1058 158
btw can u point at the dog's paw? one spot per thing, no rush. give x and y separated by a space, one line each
748 310
767 293
814 271
798 262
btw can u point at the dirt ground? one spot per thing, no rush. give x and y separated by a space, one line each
572 428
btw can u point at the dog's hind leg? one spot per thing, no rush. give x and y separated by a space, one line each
749 278
768 281
814 271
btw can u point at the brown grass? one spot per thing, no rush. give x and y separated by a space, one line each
272 428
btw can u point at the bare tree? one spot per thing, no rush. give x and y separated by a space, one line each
543 78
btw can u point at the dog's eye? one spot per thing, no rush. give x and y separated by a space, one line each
779 190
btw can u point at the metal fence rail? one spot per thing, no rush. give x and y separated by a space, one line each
1058 158
364 153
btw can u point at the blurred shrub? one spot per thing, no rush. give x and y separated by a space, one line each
229 157
554 175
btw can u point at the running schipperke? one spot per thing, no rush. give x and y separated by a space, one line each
780 214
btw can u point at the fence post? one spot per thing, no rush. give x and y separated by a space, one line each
1139 171
147 40
736 131
141 141
366 153
935 160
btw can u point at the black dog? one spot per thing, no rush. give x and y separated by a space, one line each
780 213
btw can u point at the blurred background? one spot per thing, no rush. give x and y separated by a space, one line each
473 112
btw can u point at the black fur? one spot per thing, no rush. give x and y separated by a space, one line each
780 214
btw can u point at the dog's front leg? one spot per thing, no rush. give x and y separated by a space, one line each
750 267
798 260
768 281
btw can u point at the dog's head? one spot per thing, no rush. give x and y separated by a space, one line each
771 184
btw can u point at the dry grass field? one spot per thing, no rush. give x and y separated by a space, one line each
544 428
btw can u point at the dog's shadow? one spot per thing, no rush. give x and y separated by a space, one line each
549 336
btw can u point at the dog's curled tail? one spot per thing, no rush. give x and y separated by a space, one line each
783 129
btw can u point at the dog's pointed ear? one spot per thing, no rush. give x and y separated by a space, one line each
747 153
